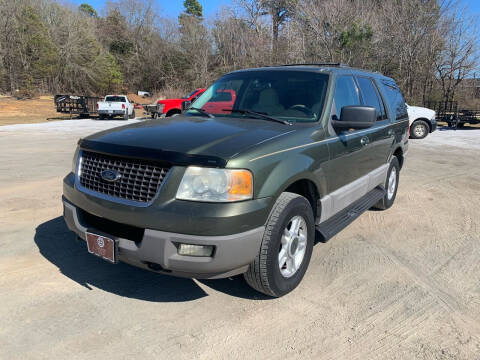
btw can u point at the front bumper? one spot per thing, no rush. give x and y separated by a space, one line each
157 250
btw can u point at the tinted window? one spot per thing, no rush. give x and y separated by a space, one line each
221 96
345 94
115 98
395 99
371 97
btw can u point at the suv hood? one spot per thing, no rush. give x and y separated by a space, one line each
186 140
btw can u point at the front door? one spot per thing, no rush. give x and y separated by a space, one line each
347 148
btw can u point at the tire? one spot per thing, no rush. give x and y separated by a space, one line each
460 125
133 114
419 130
390 194
101 117
265 273
125 116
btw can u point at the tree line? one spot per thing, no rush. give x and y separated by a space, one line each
428 46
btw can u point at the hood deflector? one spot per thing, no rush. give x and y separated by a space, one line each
155 155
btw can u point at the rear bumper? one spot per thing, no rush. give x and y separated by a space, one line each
157 250
111 112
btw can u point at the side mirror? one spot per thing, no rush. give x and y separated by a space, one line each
186 105
356 117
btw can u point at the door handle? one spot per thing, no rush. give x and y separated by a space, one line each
364 141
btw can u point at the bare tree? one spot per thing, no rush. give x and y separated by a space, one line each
459 56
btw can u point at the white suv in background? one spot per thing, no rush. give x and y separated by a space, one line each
422 121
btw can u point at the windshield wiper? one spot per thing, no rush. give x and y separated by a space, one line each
203 112
258 115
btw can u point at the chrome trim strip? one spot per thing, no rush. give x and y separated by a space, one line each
114 199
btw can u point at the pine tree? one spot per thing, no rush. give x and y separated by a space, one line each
193 8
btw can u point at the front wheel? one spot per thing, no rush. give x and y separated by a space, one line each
286 247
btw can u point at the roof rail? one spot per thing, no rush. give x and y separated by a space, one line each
318 64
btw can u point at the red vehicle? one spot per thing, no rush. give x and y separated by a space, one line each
172 107
221 102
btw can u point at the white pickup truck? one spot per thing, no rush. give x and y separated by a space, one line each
422 121
115 105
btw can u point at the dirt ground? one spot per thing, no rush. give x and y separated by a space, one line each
13 111
399 284
42 109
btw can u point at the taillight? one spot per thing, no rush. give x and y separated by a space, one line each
97 106
123 106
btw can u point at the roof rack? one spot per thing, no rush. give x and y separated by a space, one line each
319 64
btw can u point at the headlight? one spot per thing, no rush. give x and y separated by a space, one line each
215 185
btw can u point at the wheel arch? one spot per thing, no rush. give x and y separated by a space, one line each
173 112
398 153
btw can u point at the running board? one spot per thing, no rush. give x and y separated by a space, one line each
345 217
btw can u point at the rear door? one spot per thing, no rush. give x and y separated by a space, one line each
380 136
398 112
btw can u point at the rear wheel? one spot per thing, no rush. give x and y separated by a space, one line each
125 116
391 185
133 114
286 247
101 117
419 129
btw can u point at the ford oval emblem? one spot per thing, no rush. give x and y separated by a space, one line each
110 175
100 242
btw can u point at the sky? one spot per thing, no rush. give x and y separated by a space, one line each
169 8
172 8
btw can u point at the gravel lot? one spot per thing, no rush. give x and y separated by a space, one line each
400 284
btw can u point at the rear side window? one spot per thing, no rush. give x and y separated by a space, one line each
346 94
371 97
395 99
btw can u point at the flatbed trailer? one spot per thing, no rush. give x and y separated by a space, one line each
76 104
449 112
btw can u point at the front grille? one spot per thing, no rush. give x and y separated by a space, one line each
139 179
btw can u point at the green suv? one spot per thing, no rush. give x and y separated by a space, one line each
260 165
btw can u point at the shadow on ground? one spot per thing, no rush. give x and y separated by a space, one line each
59 246
466 127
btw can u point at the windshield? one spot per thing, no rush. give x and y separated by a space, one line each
191 94
115 98
296 96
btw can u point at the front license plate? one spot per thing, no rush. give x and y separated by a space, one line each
101 246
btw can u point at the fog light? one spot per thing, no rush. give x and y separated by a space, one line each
195 250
